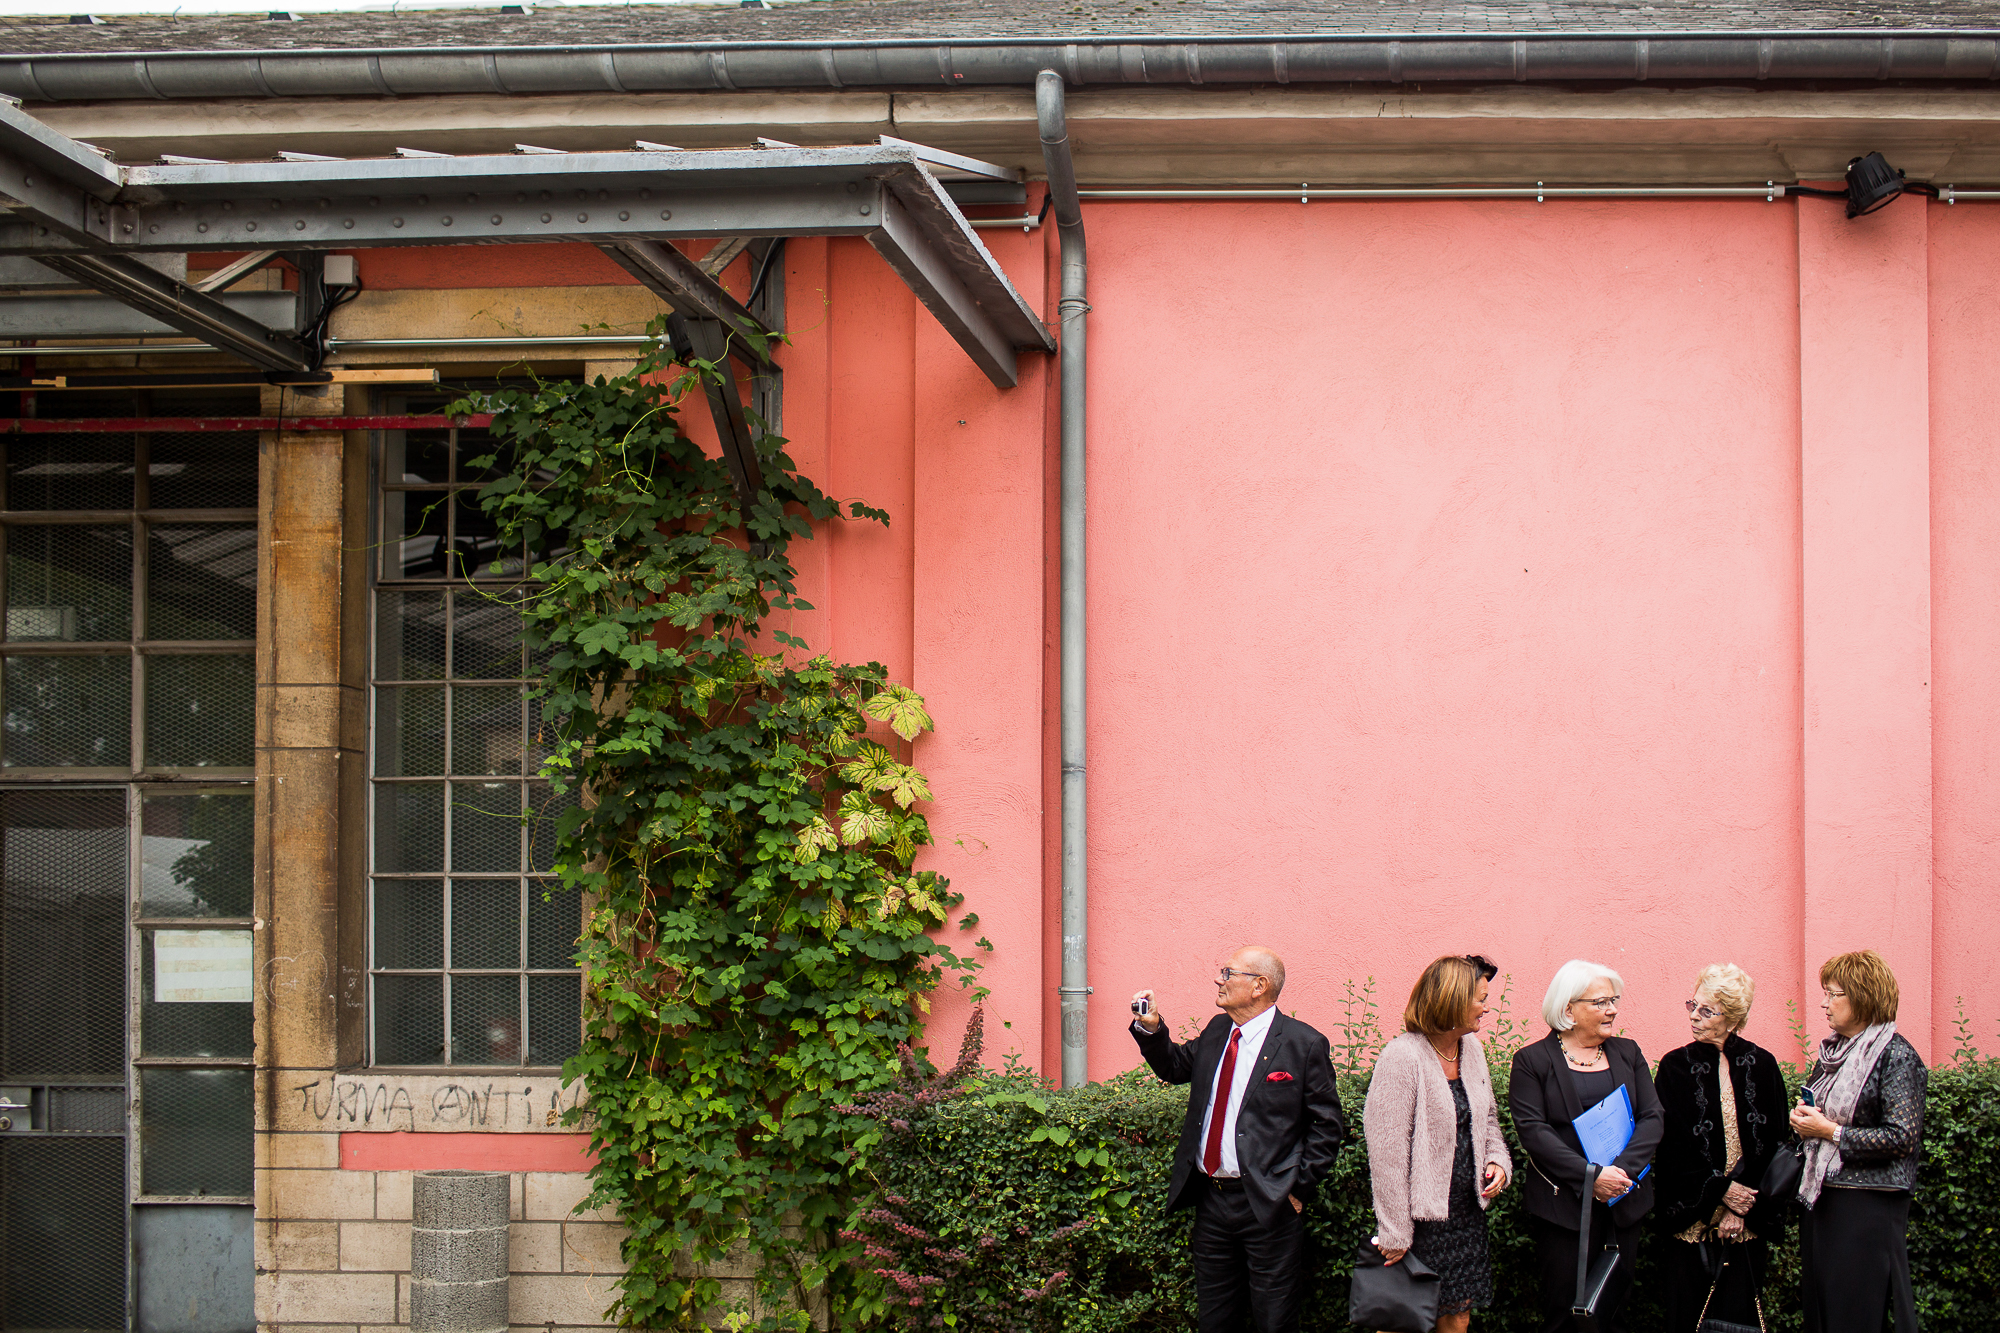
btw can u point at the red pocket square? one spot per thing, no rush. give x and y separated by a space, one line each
1277 1076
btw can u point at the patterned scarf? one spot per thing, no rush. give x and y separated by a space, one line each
1844 1066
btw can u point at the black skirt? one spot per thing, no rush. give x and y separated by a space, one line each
1455 1249
1852 1245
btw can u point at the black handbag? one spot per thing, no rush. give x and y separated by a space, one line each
1777 1190
1593 1275
1392 1298
1706 1325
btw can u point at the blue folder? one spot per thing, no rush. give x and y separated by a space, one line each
1606 1128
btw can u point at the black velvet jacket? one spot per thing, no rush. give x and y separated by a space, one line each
1689 1164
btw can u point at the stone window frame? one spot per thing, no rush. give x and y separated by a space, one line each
534 863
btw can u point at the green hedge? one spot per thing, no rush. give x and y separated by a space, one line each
1006 1205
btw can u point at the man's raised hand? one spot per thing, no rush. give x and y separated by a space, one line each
1150 1019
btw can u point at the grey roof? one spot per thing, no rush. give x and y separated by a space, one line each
972 21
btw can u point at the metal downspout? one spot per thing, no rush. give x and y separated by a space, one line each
1075 989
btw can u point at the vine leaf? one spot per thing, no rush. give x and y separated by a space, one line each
871 767
902 708
861 820
906 785
814 838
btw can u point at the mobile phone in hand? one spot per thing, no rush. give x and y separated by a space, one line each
1806 1097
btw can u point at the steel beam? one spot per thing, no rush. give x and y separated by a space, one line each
182 307
74 316
912 255
86 217
682 284
706 340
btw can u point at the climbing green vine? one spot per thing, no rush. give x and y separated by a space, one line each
756 945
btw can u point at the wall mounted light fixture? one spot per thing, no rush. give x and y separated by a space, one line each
1871 183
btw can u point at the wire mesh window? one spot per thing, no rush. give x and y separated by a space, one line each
130 592
471 943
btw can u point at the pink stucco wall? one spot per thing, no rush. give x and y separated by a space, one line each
1541 581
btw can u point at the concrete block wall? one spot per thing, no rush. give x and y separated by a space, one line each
333 1246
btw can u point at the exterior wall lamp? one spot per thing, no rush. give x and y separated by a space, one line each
1871 183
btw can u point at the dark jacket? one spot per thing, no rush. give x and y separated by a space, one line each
1287 1132
1688 1166
1881 1146
1544 1103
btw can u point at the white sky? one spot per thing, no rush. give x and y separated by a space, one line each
113 8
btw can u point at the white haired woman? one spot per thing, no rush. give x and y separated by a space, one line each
1554 1081
1721 1096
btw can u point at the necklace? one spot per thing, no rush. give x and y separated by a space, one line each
1578 1060
1451 1059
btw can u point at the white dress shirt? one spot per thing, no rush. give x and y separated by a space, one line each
1247 1049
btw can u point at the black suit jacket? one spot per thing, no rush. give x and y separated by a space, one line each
1288 1131
1544 1102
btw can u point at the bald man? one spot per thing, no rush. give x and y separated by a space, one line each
1263 1126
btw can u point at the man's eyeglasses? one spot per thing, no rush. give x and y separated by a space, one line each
1702 1011
1223 974
1602 1006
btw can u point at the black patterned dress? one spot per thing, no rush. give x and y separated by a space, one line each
1455 1249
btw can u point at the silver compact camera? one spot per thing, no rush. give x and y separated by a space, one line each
1142 1007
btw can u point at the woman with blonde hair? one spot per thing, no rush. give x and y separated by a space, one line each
1720 1094
1863 1128
1435 1151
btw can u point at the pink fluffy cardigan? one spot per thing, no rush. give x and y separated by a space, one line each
1412 1130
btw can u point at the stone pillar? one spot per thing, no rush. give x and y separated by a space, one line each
458 1252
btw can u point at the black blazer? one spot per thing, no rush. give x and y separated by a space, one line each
1689 1164
1287 1132
1544 1101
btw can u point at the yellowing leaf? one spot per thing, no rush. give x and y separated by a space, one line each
906 785
902 708
861 820
871 766
813 839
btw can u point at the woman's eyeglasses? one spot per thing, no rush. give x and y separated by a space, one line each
1603 1005
1702 1011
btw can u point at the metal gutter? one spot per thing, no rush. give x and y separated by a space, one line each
1074 992
1915 54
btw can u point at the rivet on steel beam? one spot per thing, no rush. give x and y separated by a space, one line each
395 222
545 217
446 219
249 226
864 210
623 216
299 225
666 213
583 217
348 224
199 226
496 219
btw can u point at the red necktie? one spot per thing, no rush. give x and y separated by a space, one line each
1211 1157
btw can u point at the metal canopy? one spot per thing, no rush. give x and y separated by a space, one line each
88 218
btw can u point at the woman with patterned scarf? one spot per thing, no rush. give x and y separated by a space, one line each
1724 1099
1863 1129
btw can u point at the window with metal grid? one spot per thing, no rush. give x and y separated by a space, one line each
471 942
130 585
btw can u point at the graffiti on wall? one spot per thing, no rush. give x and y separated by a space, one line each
437 1103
